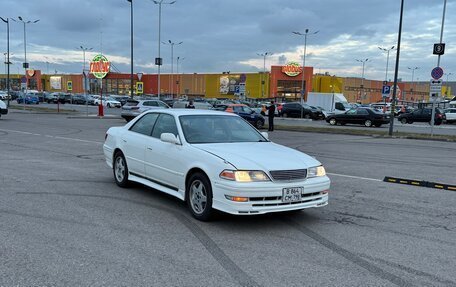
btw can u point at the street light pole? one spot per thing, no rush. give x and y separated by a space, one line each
303 88
7 62
171 88
362 77
178 76
387 62
413 73
84 49
25 65
158 61
264 70
131 48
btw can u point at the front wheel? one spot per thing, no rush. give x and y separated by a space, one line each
259 124
368 123
120 170
404 121
285 115
199 196
333 122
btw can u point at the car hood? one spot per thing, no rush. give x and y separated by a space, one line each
260 156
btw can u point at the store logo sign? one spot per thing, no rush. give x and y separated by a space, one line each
292 69
100 66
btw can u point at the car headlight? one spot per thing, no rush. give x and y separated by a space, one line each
244 175
316 171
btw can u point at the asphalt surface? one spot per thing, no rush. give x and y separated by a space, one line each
420 128
64 222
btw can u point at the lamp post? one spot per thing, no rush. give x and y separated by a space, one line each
7 61
84 50
413 73
447 75
171 43
304 65
387 50
362 76
47 65
178 75
131 48
25 65
264 70
158 61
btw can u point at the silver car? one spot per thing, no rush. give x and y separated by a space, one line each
132 108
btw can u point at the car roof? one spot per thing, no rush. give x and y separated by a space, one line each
185 112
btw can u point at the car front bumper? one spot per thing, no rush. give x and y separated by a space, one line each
3 111
267 197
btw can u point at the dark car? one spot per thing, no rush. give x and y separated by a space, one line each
245 112
122 99
79 100
294 110
422 115
361 116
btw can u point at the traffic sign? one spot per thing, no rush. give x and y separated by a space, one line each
386 89
139 88
435 86
69 86
437 73
439 49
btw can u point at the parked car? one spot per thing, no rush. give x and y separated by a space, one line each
3 96
92 99
198 105
29 99
134 108
294 110
422 115
245 112
214 161
450 115
108 102
121 99
79 99
3 108
361 116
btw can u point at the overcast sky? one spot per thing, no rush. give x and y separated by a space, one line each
222 36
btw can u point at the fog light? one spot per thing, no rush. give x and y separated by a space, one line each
237 198
325 191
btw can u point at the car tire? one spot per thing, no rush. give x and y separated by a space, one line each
120 170
199 196
368 123
285 115
333 121
259 124
404 121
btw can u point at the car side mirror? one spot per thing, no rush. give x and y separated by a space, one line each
265 134
169 138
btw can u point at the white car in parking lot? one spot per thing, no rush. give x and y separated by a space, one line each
450 115
3 108
108 102
214 160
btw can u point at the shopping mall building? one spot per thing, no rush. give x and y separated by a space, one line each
283 83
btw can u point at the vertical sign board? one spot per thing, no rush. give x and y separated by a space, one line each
435 89
69 86
139 88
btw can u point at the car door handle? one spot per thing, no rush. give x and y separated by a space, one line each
149 148
124 140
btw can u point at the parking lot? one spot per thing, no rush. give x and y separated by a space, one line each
64 221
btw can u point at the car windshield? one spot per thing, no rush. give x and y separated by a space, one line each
201 129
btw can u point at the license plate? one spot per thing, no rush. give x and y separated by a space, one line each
291 194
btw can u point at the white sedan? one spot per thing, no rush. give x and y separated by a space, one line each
108 102
214 160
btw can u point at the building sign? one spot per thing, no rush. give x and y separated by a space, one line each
229 84
69 86
56 82
292 69
100 66
31 73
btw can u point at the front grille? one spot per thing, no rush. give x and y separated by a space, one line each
273 198
294 174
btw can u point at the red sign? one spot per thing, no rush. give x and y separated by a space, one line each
100 66
292 69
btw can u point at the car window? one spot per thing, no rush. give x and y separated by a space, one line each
351 112
247 110
362 112
164 124
131 103
161 104
145 124
237 109
417 112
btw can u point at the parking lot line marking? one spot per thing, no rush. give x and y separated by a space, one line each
50 136
356 177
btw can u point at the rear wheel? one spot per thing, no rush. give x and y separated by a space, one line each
120 170
368 123
404 121
333 122
199 196
285 115
259 124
